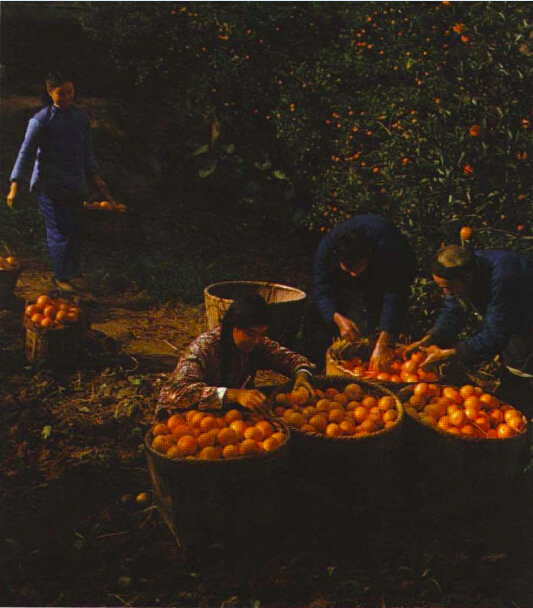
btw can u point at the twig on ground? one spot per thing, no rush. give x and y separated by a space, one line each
171 345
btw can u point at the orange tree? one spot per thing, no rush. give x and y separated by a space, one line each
418 111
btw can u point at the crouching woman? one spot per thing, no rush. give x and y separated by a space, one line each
217 365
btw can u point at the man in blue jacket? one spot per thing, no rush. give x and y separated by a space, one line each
367 255
498 285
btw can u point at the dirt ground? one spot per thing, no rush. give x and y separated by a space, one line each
72 459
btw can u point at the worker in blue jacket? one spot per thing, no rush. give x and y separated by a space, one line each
58 148
367 255
496 284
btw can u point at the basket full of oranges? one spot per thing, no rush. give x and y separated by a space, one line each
346 426
465 439
105 206
55 331
351 359
217 473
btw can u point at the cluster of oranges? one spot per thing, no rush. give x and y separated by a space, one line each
105 205
9 263
206 436
333 413
52 313
466 411
400 370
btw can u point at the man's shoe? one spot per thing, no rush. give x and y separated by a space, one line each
80 284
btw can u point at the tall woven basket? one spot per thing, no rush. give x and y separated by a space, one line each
358 470
286 305
461 472
219 501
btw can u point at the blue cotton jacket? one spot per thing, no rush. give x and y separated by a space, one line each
386 280
503 293
58 147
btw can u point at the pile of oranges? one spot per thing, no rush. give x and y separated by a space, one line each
105 205
52 313
9 263
206 436
400 370
465 411
335 413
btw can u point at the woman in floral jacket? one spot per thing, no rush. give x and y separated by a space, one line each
217 365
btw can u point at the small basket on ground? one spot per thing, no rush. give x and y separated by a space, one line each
347 359
464 466
358 466
223 501
286 305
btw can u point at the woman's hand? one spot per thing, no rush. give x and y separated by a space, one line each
13 191
347 328
436 354
382 355
251 399
303 381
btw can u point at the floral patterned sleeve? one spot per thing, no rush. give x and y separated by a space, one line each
280 359
188 386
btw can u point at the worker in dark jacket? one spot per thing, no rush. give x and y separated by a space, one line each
496 284
370 256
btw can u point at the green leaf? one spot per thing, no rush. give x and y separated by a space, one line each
279 174
230 148
263 166
208 169
46 432
201 150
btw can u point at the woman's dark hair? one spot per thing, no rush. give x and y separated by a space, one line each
52 80
452 262
245 311
351 247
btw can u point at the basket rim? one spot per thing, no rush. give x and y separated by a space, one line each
222 461
459 438
346 438
288 288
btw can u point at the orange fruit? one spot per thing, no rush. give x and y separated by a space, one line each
354 392
367 426
174 421
333 430
280 399
160 429
336 415
230 451
47 322
503 431
227 436
360 414
37 318
444 423
270 444
386 403
516 423
420 389
409 367
209 453
319 422
482 422
466 391
454 430
187 445
173 451
295 419
196 418
239 426
206 439
472 412
348 427
341 399
309 411
331 392
488 400
510 414
411 377
452 394
468 430
323 405
161 443
266 428
249 447
254 433
208 424
390 416
43 301
181 430
189 414
279 436
369 402
32 310
417 401
465 233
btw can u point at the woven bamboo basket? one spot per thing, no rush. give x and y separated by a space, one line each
462 472
286 305
358 469
341 350
60 349
8 280
219 501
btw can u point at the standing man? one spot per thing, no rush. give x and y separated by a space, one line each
366 255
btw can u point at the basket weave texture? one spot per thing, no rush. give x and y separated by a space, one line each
363 467
286 305
206 501
469 470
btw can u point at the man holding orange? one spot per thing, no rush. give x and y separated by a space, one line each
364 255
